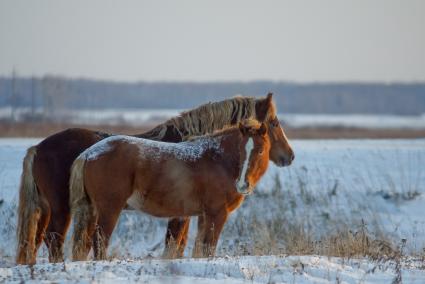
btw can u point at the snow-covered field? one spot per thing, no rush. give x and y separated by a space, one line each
154 116
375 186
246 269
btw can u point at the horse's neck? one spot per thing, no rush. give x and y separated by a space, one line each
229 154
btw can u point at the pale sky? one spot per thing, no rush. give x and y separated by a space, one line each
196 40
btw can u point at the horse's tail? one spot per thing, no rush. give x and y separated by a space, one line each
81 210
29 212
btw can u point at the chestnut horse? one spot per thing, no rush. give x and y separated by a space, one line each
44 212
207 176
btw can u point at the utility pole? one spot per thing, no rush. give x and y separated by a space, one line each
13 96
32 97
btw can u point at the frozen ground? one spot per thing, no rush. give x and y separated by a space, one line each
336 184
246 269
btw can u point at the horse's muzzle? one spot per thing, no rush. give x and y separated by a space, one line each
245 189
286 160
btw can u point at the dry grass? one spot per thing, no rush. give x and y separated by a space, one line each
352 133
44 129
296 240
301 225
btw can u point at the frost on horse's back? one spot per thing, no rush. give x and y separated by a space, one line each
187 151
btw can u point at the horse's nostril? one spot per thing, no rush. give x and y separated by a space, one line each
292 156
244 189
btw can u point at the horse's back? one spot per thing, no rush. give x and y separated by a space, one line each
54 158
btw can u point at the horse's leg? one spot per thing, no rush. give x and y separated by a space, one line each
177 230
108 217
197 249
42 223
85 218
52 176
56 232
58 201
183 239
213 225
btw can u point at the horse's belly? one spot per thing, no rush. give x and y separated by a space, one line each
163 207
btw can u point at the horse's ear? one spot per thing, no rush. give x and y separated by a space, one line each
243 128
263 106
269 97
262 130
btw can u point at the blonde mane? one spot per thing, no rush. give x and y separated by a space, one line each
250 122
211 117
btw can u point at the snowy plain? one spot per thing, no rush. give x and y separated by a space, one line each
331 183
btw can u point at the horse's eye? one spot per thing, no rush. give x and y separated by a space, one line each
261 152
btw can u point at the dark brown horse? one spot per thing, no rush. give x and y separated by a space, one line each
44 212
207 176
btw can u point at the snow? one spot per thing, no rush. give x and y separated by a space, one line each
186 151
92 116
330 182
354 120
246 269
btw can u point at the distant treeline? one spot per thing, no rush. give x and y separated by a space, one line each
55 93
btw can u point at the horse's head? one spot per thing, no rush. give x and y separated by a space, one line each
255 148
281 152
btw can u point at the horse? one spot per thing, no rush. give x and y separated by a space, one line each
43 211
206 176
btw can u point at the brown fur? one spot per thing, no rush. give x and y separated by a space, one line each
164 185
55 154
